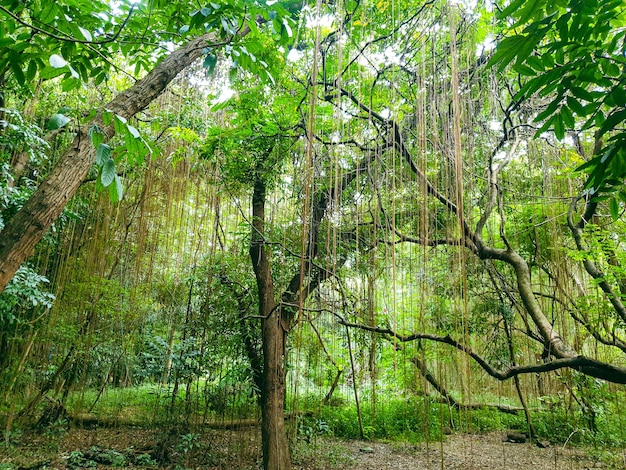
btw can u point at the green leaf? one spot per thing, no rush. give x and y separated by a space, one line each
581 93
103 154
614 208
96 136
107 116
48 12
57 61
512 7
57 121
50 72
228 27
536 63
269 76
133 131
575 106
559 127
618 94
506 51
546 125
613 120
590 164
524 70
287 27
552 107
561 26
536 83
70 83
18 73
116 191
568 117
610 68
31 71
86 34
108 172
608 155
209 62
531 8
120 125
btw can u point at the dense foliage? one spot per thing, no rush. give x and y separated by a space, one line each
389 220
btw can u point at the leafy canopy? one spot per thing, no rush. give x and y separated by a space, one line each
572 54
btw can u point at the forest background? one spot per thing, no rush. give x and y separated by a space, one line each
376 219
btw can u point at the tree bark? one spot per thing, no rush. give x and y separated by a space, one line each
274 332
28 226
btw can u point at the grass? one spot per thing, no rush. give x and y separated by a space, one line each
411 419
418 419
395 418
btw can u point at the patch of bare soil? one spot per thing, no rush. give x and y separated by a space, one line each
240 449
467 452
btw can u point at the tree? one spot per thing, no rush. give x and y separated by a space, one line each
27 227
570 55
404 138
387 165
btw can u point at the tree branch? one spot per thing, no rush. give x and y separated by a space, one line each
583 364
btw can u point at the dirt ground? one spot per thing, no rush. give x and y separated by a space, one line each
239 450
470 452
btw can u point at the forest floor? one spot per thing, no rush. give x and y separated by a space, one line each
239 450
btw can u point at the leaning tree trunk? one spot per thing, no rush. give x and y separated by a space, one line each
28 226
274 333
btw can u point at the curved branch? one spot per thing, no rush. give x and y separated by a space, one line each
582 364
323 200
24 230
492 181
591 267
579 317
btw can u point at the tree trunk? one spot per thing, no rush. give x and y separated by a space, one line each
274 332
24 230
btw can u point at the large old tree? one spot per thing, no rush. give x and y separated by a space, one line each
87 49
402 134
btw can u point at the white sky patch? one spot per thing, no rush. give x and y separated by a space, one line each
363 60
495 125
225 93
170 46
568 140
487 45
500 156
294 55
385 113
323 21
391 56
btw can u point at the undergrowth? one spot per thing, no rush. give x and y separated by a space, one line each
419 419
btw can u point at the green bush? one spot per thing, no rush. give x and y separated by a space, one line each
413 419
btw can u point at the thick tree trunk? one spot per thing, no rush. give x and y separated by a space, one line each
24 230
273 434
